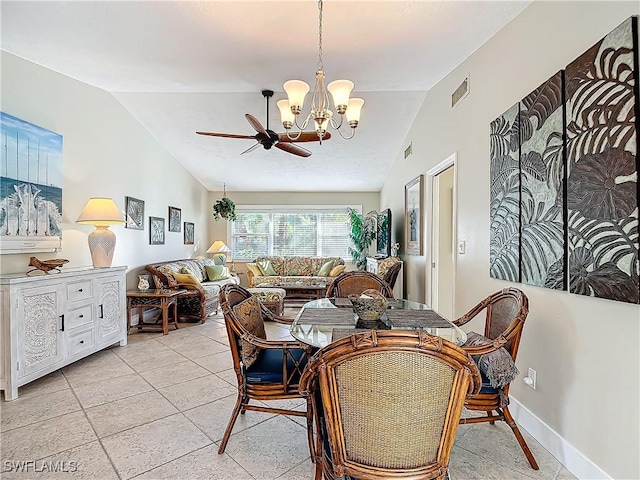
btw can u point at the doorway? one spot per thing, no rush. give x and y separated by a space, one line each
440 281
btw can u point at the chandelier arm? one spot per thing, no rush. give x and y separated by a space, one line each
353 132
304 124
334 124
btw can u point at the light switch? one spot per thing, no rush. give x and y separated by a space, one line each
462 247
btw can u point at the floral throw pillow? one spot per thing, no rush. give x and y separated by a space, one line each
250 317
266 269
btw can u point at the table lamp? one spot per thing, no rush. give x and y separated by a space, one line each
101 212
220 247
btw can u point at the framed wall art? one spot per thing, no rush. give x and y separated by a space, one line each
175 217
189 229
156 231
135 213
30 187
413 199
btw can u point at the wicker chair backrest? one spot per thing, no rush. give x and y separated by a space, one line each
356 282
506 312
399 426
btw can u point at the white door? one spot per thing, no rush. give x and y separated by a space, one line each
441 277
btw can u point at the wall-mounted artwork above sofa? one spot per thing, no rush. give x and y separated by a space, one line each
564 177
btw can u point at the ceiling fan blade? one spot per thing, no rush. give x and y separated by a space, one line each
253 121
227 135
251 148
291 148
304 137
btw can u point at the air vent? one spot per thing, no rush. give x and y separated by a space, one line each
461 92
407 151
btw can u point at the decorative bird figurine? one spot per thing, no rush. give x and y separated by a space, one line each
46 265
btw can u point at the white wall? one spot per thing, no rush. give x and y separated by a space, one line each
106 152
585 350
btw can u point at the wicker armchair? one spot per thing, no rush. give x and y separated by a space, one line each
506 312
265 369
391 274
356 282
387 404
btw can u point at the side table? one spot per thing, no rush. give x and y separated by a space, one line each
158 298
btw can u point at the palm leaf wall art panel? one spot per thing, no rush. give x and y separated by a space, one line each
504 210
542 182
602 186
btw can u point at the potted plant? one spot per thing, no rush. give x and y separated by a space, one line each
363 233
224 208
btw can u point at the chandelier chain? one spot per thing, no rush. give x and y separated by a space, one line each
320 66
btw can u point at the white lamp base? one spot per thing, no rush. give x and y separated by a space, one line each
102 244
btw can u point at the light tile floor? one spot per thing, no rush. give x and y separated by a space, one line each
157 409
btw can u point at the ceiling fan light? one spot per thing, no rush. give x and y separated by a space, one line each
296 91
286 115
340 90
353 111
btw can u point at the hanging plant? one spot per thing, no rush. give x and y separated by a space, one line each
224 208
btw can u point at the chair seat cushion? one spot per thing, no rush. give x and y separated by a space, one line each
268 366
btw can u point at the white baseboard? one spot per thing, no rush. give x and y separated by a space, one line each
572 458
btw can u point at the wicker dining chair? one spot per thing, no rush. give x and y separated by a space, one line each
506 312
391 274
356 282
387 403
265 369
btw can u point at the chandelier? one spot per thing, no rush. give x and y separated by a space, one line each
320 113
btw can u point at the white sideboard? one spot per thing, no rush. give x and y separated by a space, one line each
49 321
398 288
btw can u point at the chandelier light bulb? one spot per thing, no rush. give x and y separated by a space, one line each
286 115
296 91
353 111
340 90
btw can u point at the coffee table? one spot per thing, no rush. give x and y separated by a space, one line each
299 291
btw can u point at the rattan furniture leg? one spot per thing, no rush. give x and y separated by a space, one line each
162 299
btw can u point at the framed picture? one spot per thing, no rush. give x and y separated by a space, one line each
413 199
31 180
188 233
175 217
156 231
135 213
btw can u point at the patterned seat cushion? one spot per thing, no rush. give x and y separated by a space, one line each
249 315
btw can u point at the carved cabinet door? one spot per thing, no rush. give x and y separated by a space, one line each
41 311
111 310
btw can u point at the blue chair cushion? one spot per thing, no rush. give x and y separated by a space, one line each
268 366
486 385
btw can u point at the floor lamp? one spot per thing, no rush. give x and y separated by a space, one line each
101 212
220 247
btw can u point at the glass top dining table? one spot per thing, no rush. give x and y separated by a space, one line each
320 322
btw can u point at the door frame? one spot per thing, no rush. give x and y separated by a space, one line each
448 162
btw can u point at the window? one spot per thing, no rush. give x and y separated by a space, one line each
287 230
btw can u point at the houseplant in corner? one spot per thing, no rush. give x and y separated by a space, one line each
363 233
224 208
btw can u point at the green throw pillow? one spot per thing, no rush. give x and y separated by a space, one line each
325 269
217 272
266 269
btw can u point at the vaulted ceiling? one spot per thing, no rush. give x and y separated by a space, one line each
184 66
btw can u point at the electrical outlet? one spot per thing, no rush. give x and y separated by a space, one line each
530 379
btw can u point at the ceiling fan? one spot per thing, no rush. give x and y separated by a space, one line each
268 138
